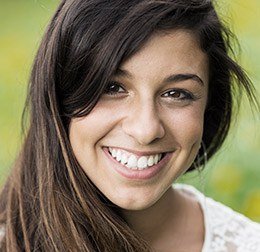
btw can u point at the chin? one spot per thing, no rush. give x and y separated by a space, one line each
137 199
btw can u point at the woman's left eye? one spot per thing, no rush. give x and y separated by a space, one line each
177 94
113 88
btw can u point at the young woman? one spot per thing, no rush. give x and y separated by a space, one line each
126 96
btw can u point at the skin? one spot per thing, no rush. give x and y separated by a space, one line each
141 117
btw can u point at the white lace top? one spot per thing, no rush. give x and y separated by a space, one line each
225 229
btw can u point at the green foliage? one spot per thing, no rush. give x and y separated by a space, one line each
232 177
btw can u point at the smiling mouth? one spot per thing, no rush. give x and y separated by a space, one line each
134 162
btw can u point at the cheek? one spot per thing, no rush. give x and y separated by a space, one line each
186 124
91 128
84 134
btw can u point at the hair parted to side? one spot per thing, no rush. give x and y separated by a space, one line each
48 202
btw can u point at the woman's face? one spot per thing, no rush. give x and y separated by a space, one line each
152 109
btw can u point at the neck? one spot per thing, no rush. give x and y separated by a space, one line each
174 220
166 212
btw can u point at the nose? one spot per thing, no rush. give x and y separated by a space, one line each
143 123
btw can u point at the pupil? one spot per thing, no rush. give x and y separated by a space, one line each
112 88
175 94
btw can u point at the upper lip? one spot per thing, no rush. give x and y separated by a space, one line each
138 153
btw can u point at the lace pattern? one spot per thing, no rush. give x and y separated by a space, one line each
231 231
225 229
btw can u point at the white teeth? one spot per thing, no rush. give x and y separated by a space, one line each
118 155
150 161
156 158
114 153
132 161
123 159
142 162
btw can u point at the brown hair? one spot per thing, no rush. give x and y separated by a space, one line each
48 202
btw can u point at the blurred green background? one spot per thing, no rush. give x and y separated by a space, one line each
232 177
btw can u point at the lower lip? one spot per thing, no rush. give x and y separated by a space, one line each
138 174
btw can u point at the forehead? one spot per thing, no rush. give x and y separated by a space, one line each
168 53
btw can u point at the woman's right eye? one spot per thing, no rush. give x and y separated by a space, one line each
113 88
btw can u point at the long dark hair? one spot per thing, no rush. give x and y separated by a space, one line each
48 203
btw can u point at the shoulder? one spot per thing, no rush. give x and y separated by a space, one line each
225 229
230 229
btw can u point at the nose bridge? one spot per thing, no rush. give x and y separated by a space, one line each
143 121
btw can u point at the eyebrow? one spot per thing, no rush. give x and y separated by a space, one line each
169 79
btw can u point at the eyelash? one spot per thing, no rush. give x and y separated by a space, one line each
187 95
